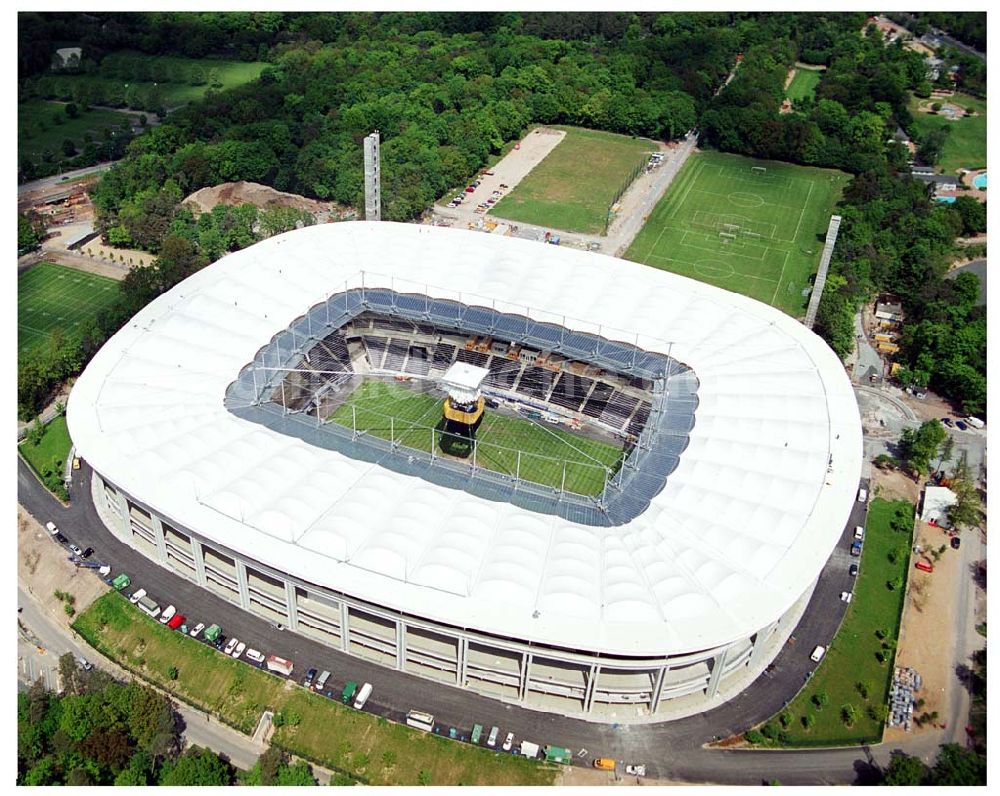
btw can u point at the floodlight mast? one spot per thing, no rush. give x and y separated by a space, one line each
373 178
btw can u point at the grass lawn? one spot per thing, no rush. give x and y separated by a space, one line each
38 131
55 444
965 147
803 84
755 227
572 189
543 448
51 296
851 659
366 747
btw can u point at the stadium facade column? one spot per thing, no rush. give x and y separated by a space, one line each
522 688
588 699
345 627
463 655
760 641
241 584
161 543
291 608
718 664
661 675
400 645
124 515
199 561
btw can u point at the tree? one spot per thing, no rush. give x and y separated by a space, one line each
28 237
197 766
958 766
918 447
848 714
904 769
972 213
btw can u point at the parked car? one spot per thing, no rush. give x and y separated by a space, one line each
853 570
61 539
947 421
310 676
956 542
961 425
636 771
846 596
239 649
176 622
818 653
88 552
508 742
856 549
605 763
492 739
76 462
197 629
859 532
255 656
136 596
51 528
231 645
168 614
862 495
76 550
87 665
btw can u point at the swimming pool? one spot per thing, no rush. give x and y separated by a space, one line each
979 181
946 199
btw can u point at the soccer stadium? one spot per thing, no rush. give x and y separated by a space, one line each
559 479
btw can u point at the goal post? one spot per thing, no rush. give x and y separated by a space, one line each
758 170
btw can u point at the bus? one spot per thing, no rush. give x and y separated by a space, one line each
420 720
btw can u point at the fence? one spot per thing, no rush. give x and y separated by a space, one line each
636 171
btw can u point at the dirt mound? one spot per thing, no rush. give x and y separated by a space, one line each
262 196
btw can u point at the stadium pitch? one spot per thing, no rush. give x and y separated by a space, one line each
754 227
51 296
513 446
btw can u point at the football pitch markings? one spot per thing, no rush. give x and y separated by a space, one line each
750 226
51 296
507 445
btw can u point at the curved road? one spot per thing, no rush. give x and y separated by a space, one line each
671 750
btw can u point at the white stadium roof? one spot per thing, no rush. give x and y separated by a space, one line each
741 529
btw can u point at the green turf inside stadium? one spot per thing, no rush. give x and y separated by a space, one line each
51 296
543 450
751 226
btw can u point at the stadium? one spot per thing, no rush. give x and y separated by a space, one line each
559 479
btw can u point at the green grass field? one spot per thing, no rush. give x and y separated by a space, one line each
54 445
751 226
543 449
965 147
851 659
803 84
573 187
37 130
365 747
51 296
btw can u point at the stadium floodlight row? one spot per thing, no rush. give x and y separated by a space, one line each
367 550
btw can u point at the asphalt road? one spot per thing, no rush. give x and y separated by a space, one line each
671 750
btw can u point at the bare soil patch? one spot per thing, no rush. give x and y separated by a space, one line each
43 568
264 197
930 606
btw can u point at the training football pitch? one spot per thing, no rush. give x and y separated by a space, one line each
51 296
535 452
751 226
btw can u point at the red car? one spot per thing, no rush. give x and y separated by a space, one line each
176 621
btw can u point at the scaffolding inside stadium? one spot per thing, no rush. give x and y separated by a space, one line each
259 394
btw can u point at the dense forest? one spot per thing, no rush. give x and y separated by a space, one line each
449 91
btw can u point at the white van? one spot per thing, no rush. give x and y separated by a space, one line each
975 422
818 653
862 495
859 532
147 606
362 697
321 683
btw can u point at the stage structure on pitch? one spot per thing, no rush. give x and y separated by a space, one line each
463 408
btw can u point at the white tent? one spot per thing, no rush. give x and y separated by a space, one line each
937 499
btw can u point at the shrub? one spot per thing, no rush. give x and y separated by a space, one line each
172 673
424 777
754 736
785 718
820 699
808 721
848 714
